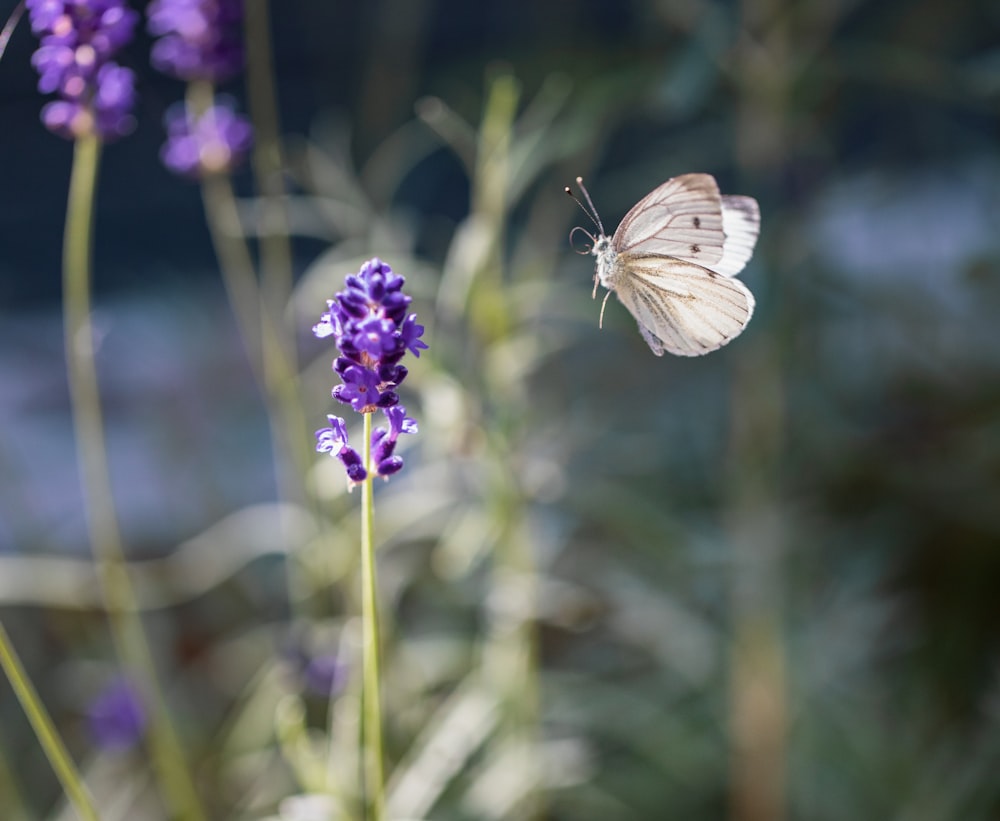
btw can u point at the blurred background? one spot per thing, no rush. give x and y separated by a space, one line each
756 585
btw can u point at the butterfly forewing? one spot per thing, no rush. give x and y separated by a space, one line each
682 218
684 308
741 225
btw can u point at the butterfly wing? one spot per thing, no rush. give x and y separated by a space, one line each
687 218
741 225
682 307
681 218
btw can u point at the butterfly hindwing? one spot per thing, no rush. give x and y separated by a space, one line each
681 307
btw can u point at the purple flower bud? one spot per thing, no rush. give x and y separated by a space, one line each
352 462
399 422
116 718
198 39
390 466
325 674
392 373
383 450
410 332
213 142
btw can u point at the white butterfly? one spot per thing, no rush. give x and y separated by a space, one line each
672 262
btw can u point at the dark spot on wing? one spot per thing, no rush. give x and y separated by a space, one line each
697 222
694 248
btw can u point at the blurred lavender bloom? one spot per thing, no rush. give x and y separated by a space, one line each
373 332
198 39
318 667
116 718
325 674
212 143
79 38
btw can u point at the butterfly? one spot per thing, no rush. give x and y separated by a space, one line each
672 263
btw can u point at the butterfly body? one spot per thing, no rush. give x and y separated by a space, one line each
672 263
608 268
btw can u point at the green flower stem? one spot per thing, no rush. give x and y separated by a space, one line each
270 348
13 802
371 696
119 598
275 249
48 737
271 360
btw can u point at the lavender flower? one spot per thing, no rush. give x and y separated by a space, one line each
116 717
79 38
384 440
199 39
315 663
373 333
211 143
333 440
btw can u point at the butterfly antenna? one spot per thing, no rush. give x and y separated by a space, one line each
591 213
11 24
596 217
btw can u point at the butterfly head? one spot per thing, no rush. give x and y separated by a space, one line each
600 244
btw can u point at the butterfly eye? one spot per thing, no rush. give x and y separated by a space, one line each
586 249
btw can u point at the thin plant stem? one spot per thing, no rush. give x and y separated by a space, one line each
276 380
279 355
9 26
275 249
510 660
48 737
269 348
129 637
371 662
13 804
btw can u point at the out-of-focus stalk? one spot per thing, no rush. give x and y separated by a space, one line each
130 640
48 736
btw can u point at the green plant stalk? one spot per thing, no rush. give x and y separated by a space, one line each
48 737
12 803
269 349
119 598
509 663
279 356
371 696
275 249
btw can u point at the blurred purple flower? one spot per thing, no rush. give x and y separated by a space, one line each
212 143
198 39
318 667
78 40
325 674
116 718
373 333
